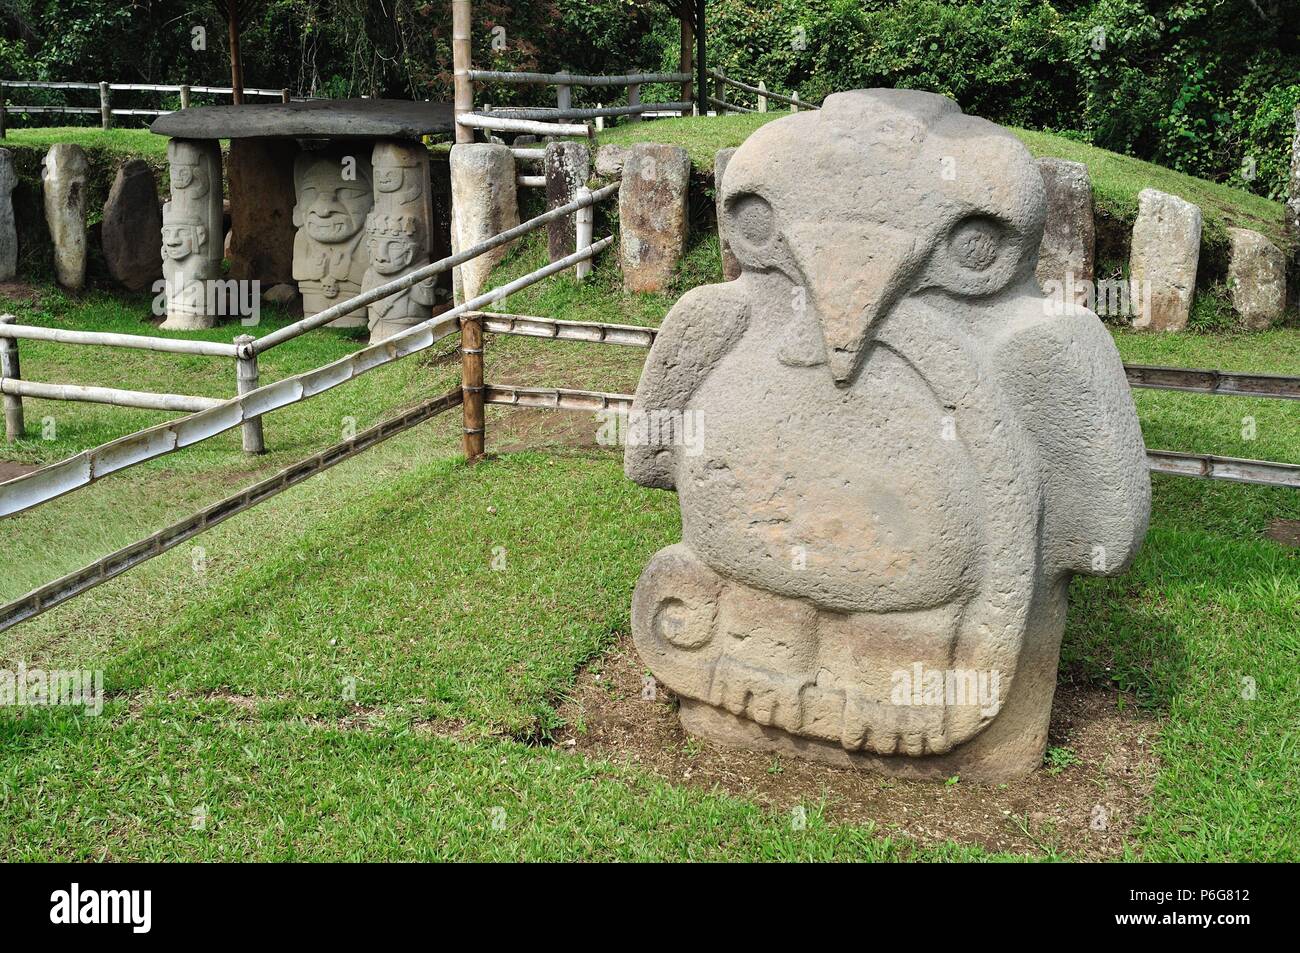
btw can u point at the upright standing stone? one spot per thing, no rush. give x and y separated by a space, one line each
63 177
193 232
1257 277
398 235
890 457
334 196
567 166
730 266
652 213
262 197
609 161
132 217
1069 239
483 203
1165 252
8 230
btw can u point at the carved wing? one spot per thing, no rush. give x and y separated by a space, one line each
1075 399
697 333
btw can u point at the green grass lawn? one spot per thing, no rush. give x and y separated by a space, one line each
127 142
368 666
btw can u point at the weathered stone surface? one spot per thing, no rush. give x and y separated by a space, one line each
281 294
193 233
261 209
1257 277
63 178
1065 258
1165 252
132 220
730 266
890 456
609 161
567 167
484 203
314 119
652 213
398 236
8 229
334 196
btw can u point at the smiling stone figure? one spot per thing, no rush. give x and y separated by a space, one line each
329 255
901 455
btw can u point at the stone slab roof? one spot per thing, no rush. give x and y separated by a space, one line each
315 118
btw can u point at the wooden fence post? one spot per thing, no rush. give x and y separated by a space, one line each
185 96
794 106
585 224
105 110
762 100
461 25
564 97
720 88
2 110
471 384
9 368
246 374
284 95
634 99
686 61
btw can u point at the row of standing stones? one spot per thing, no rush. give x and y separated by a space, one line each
654 217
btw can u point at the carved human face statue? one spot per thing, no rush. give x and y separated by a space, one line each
182 239
331 208
390 254
190 177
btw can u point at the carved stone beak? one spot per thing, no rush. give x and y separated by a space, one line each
853 274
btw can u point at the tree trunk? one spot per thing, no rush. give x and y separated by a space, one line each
236 61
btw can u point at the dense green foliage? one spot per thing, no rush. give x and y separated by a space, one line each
1206 87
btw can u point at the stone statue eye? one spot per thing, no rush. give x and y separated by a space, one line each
754 219
975 242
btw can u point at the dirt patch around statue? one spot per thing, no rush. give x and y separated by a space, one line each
1083 803
10 470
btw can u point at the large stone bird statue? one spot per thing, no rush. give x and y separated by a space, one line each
900 453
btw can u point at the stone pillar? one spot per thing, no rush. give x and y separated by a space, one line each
261 209
1256 277
192 232
652 211
730 264
8 230
63 177
1069 237
1165 252
483 203
333 197
399 234
567 166
132 217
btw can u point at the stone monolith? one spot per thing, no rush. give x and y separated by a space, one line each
890 452
132 219
333 197
193 233
1163 258
63 178
567 166
652 214
484 203
1065 258
8 229
1256 278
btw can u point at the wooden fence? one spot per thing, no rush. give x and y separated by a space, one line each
105 109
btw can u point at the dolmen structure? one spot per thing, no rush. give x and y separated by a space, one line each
891 452
333 195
